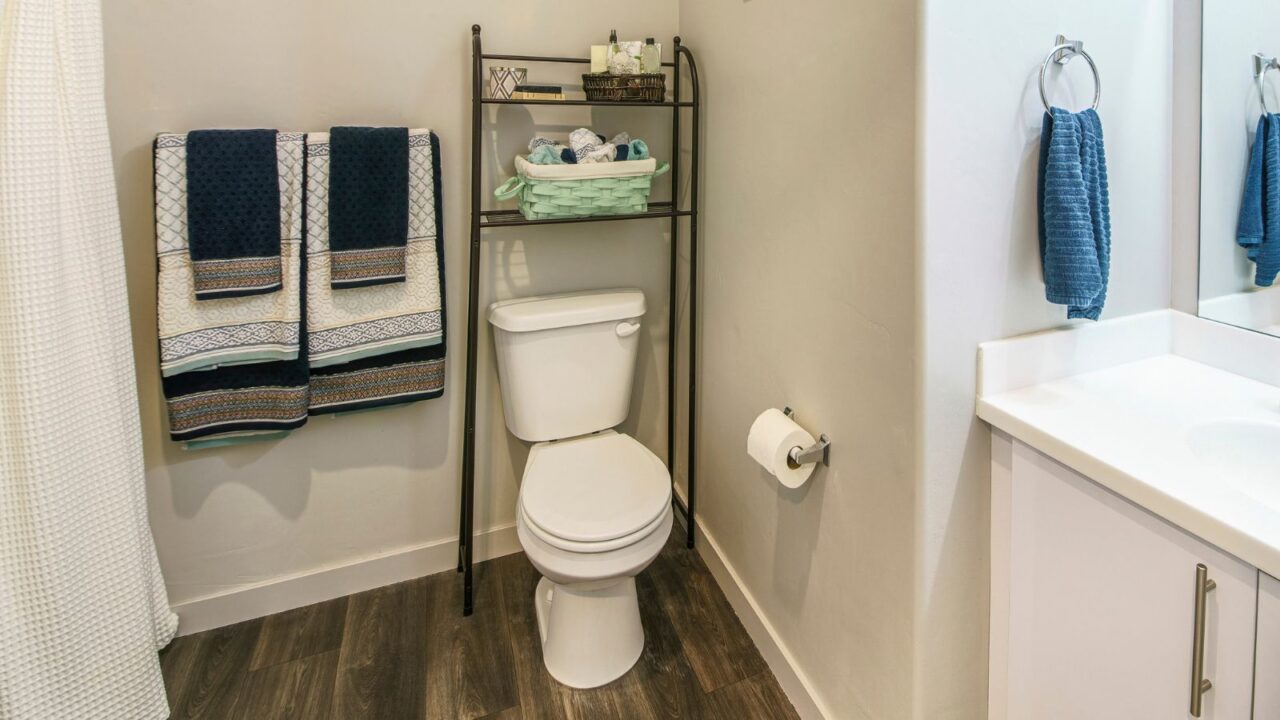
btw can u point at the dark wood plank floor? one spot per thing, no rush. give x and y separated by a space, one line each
405 651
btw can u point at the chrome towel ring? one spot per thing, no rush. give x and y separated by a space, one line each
1062 53
1261 64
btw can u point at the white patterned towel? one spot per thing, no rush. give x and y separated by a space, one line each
349 324
202 334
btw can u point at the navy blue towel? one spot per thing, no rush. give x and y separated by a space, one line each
368 205
1075 212
233 212
1259 227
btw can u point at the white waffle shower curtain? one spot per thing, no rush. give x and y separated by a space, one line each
82 603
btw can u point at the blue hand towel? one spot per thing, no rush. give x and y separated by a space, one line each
1075 212
1250 230
368 205
1259 227
233 212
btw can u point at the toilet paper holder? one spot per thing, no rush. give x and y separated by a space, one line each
819 452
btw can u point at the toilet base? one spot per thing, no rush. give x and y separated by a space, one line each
591 632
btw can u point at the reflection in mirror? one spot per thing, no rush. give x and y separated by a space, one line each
1240 164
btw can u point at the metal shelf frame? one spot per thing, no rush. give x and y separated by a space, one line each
482 219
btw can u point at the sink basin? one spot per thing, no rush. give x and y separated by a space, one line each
1244 453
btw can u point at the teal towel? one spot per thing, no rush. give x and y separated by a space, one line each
1258 231
1075 212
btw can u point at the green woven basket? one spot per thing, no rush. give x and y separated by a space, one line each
544 199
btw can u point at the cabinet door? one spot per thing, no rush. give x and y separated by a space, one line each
1267 674
1101 606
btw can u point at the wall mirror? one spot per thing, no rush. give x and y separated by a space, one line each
1239 178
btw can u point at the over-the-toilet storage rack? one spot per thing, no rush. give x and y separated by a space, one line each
483 219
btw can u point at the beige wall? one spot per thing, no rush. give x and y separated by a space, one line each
980 275
808 272
341 490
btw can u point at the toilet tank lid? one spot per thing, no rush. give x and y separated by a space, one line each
545 312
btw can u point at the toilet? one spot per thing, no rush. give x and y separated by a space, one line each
595 505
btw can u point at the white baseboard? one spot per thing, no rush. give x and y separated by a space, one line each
794 682
326 583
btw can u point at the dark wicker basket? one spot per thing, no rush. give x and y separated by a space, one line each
603 87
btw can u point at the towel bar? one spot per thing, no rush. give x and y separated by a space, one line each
1063 52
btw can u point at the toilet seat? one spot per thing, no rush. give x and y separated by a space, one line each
595 493
590 547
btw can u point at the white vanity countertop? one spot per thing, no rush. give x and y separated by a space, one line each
1135 407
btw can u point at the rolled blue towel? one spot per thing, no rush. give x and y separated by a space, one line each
1075 213
638 150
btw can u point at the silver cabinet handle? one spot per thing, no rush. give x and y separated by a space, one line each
1199 684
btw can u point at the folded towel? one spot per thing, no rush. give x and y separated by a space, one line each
376 382
368 205
233 212
240 403
407 375
587 147
197 335
237 402
1259 227
348 325
547 153
1075 213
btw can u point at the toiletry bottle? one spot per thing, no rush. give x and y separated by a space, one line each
650 60
614 52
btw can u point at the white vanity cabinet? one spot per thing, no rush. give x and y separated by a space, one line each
1094 606
1266 696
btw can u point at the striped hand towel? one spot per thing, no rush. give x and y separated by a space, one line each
350 324
1075 212
202 334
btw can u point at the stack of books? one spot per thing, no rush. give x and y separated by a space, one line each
538 92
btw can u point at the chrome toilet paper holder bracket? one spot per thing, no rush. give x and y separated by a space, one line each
819 452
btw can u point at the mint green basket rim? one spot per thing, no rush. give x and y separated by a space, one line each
514 185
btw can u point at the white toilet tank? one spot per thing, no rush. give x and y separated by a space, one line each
566 362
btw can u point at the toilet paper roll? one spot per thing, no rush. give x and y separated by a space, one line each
773 436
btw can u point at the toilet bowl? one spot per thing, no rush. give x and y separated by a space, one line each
593 512
594 506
